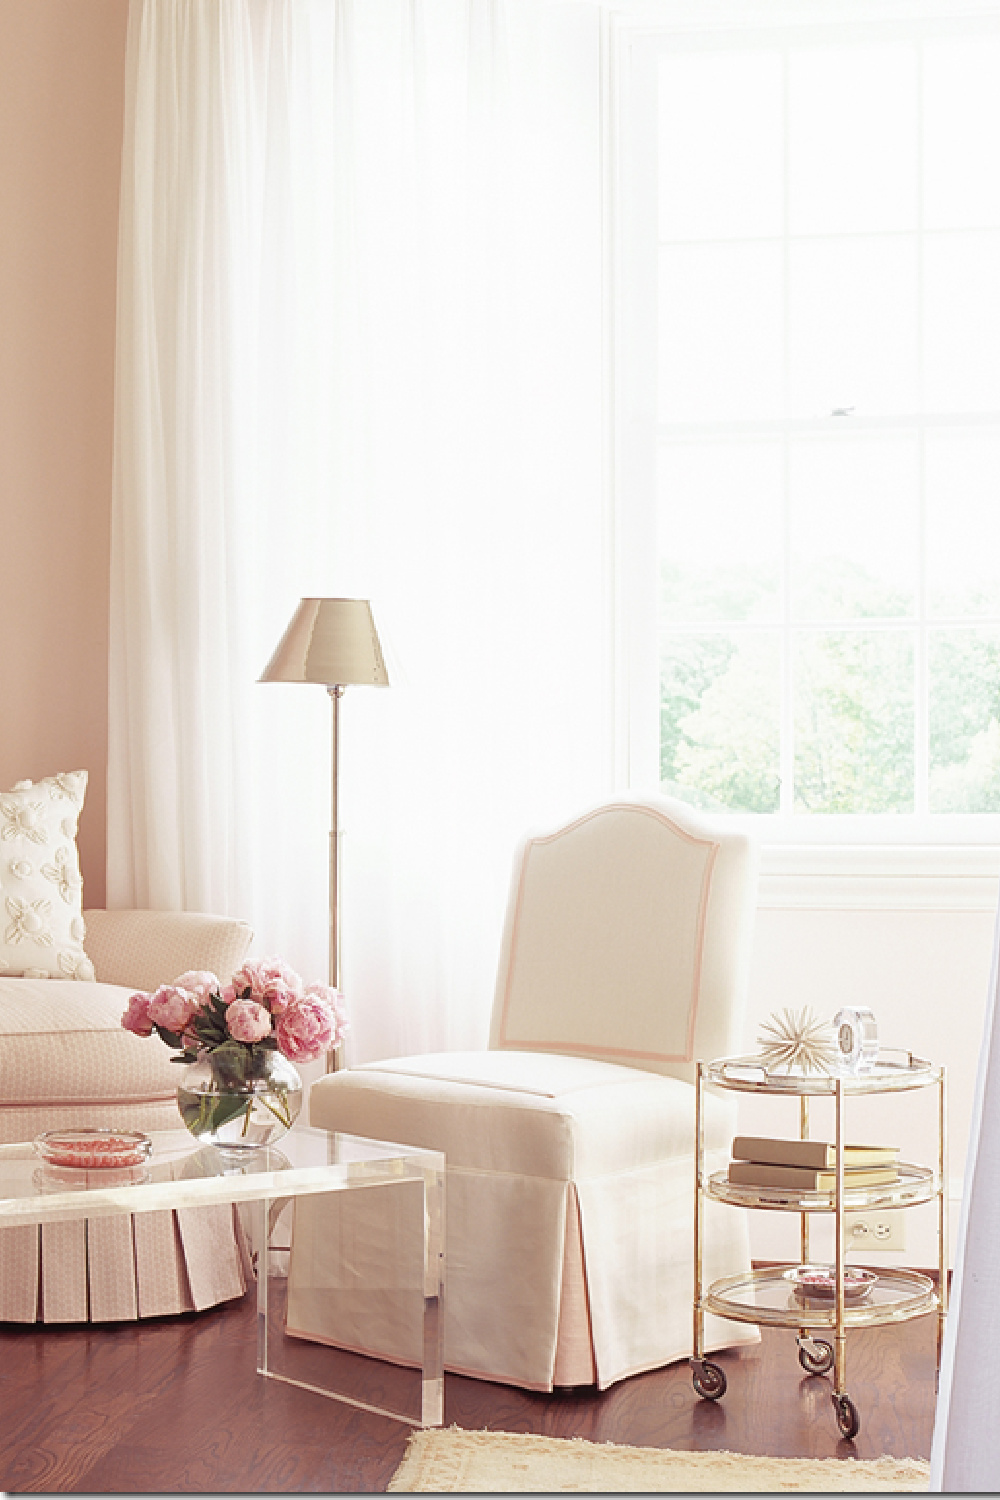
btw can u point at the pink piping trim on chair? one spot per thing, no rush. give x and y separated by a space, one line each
601 1051
91 1101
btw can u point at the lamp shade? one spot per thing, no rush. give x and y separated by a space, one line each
332 641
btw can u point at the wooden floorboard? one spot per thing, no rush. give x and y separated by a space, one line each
174 1406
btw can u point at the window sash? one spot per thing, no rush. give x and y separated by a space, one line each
637 436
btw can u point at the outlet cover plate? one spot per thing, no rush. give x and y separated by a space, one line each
874 1229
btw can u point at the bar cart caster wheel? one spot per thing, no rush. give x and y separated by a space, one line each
708 1380
847 1416
818 1363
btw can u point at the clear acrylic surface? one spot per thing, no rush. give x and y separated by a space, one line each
181 1174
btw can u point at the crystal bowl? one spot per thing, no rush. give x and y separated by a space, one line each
91 1148
821 1282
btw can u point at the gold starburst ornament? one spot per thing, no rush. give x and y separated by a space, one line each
798 1042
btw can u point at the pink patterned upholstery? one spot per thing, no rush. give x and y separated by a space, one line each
65 1061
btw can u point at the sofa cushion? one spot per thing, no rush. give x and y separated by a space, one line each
537 1114
62 1042
41 923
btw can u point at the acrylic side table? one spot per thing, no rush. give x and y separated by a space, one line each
179 1175
766 1296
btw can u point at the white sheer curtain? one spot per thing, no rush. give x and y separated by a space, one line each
965 1454
360 352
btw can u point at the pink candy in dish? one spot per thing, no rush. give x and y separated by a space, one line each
91 1149
820 1281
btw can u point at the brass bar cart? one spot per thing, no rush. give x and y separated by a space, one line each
771 1296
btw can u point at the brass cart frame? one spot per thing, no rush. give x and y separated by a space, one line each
763 1296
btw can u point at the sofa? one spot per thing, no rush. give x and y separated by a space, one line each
66 1061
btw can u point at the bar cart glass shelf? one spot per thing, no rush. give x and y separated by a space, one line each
770 1296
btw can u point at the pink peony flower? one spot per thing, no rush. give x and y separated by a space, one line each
335 1000
248 1021
172 1008
258 974
199 983
306 1029
136 1018
277 996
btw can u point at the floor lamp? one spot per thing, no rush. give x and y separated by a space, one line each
332 642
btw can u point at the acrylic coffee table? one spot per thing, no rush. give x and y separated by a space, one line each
179 1174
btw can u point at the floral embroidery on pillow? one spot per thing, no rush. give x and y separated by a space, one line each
28 919
22 820
63 875
65 786
41 893
76 968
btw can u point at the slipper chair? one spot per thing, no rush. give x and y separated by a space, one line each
569 1141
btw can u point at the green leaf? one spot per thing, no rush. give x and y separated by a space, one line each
229 1107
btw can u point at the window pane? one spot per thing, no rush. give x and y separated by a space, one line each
965 721
853 334
720 334
720 530
853 138
854 722
853 525
962 321
721 151
961 132
719 719
963 521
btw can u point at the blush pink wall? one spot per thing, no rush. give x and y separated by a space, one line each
61 82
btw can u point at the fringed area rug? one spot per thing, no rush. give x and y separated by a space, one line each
451 1461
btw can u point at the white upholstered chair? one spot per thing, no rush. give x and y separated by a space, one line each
570 1142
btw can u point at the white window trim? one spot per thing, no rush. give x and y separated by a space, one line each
886 877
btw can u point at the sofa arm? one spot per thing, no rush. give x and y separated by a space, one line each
144 949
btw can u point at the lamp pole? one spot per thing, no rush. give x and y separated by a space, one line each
336 692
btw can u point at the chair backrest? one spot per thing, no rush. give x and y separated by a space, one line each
627 938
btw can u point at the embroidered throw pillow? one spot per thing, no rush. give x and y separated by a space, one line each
41 893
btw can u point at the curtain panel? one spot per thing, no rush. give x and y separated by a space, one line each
965 1452
360 352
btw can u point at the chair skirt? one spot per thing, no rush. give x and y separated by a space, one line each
569 1220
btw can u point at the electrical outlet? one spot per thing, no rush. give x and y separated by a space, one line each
874 1229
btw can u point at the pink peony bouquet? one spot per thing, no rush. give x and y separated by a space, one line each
265 1007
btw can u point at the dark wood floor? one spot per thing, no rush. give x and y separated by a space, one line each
174 1406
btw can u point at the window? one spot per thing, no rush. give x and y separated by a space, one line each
814 411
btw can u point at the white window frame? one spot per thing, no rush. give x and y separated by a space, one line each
957 852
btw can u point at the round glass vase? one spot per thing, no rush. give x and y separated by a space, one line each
239 1100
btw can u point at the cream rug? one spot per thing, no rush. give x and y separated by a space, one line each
451 1461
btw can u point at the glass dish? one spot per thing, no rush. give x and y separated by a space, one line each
820 1282
90 1148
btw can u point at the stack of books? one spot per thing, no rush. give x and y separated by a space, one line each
768 1162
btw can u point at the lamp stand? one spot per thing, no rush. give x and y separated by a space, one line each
336 693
